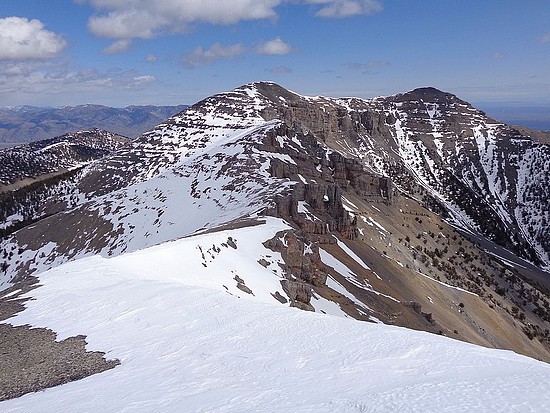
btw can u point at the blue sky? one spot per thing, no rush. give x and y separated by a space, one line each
163 52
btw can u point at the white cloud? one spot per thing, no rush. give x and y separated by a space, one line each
151 58
142 80
346 8
126 24
274 47
24 39
145 19
545 38
119 46
204 57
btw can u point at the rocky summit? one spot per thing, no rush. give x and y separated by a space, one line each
415 210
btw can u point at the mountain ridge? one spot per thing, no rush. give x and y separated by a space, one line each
363 237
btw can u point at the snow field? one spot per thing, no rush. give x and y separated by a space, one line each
188 344
210 261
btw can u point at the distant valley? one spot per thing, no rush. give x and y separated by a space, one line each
24 124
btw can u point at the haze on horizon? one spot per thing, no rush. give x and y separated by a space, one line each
171 52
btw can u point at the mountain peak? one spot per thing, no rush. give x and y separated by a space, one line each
272 91
429 94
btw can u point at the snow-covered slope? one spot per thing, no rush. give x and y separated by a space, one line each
199 170
185 346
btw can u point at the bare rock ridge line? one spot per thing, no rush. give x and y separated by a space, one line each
395 207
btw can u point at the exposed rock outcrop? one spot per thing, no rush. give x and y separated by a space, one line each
303 266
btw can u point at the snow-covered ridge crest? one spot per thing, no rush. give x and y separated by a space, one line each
184 135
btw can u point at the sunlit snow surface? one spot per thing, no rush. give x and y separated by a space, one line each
187 344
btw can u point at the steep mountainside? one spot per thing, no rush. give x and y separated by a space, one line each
29 123
484 175
357 189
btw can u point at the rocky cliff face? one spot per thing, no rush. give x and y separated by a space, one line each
441 151
372 192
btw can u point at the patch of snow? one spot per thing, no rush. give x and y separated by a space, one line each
447 285
371 222
339 288
354 256
350 206
302 209
15 292
349 275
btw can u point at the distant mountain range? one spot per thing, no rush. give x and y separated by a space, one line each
24 124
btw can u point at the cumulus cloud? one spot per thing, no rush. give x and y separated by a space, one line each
130 19
274 47
204 57
24 39
126 24
144 19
